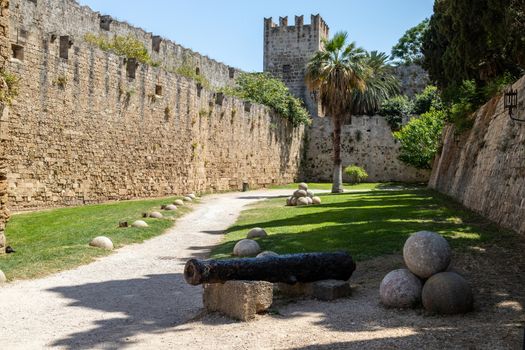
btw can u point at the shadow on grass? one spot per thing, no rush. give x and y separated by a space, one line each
365 224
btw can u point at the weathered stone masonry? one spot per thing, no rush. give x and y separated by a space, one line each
484 168
82 130
4 111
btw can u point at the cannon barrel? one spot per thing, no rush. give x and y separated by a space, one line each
290 269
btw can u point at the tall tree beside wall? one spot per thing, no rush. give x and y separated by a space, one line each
476 40
4 55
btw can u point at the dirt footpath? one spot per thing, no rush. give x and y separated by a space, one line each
137 298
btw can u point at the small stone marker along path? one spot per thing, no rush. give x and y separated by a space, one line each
137 298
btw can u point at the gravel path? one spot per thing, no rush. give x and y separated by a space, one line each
137 299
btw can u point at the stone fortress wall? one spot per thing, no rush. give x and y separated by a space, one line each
4 112
366 141
83 130
484 167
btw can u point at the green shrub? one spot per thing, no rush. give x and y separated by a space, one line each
356 174
189 71
395 109
264 89
420 139
427 100
127 46
8 87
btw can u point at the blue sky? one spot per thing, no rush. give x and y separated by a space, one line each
231 31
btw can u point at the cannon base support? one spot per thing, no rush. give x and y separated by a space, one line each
323 290
240 300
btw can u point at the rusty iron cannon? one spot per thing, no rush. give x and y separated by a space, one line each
293 268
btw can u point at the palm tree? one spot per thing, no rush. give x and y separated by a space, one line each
349 81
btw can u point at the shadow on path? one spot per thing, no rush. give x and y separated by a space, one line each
153 304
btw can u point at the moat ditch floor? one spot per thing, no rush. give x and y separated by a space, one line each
137 298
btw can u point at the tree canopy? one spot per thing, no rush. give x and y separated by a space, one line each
408 50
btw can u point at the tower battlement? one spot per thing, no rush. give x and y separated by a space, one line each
316 23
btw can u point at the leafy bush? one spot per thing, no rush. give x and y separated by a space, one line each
427 100
356 174
264 89
420 139
189 71
395 109
409 48
127 46
8 87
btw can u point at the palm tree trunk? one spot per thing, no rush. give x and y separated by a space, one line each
337 184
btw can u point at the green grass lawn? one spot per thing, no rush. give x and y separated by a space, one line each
347 186
366 224
55 240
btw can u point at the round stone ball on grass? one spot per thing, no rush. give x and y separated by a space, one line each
178 202
170 207
310 193
309 200
140 224
256 232
267 254
192 196
289 201
156 215
426 253
302 201
246 247
3 279
447 293
303 186
316 200
102 242
293 202
300 193
400 289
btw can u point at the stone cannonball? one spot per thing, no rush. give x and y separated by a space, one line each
303 186
187 199
246 247
300 193
256 232
400 289
310 194
102 242
192 196
302 201
426 253
289 201
447 293
178 202
140 223
316 200
170 207
310 201
156 215
293 202
3 279
266 254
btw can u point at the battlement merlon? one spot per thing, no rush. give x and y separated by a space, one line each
317 23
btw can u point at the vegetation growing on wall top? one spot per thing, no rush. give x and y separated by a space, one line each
127 46
8 87
264 89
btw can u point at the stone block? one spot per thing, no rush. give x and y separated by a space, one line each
240 300
330 289
294 290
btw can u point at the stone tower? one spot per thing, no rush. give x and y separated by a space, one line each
287 50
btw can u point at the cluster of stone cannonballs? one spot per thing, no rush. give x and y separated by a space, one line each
302 196
104 242
249 247
427 256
